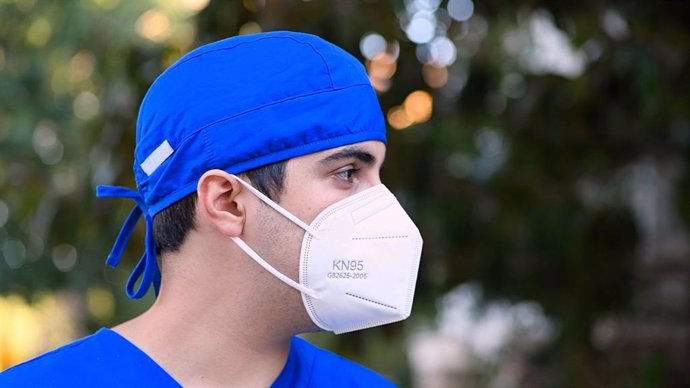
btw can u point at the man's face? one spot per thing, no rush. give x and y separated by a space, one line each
312 183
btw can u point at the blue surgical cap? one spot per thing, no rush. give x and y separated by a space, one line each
238 104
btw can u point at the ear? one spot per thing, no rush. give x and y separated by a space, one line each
219 204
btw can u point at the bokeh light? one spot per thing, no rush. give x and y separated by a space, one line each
100 303
541 47
254 5
182 37
47 143
194 6
26 329
372 44
435 76
153 25
380 70
64 257
14 252
250 28
65 179
442 51
82 65
460 10
39 32
397 118
416 108
421 28
614 24
86 106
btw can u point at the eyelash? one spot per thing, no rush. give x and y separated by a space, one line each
351 172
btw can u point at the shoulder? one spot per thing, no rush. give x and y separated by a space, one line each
102 359
331 370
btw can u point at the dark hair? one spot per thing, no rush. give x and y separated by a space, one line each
171 225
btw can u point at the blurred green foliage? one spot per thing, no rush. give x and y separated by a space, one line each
517 181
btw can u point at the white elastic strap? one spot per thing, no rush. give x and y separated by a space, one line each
248 250
277 207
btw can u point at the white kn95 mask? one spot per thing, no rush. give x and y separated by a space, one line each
359 261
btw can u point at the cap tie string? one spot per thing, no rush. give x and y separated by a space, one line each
146 269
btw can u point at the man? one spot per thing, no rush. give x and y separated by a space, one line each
257 166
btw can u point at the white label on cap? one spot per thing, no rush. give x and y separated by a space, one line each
157 157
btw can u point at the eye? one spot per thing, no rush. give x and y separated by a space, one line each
347 175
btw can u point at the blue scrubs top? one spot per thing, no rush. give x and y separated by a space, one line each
106 359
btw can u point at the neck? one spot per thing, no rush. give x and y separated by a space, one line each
215 334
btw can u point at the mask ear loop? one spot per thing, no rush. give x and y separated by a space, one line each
248 250
277 207
259 260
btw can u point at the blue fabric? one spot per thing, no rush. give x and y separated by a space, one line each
238 104
146 270
106 359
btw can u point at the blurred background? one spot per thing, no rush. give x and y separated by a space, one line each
542 148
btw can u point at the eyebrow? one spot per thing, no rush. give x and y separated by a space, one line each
351 153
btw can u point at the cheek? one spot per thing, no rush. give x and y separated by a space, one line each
278 241
307 202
